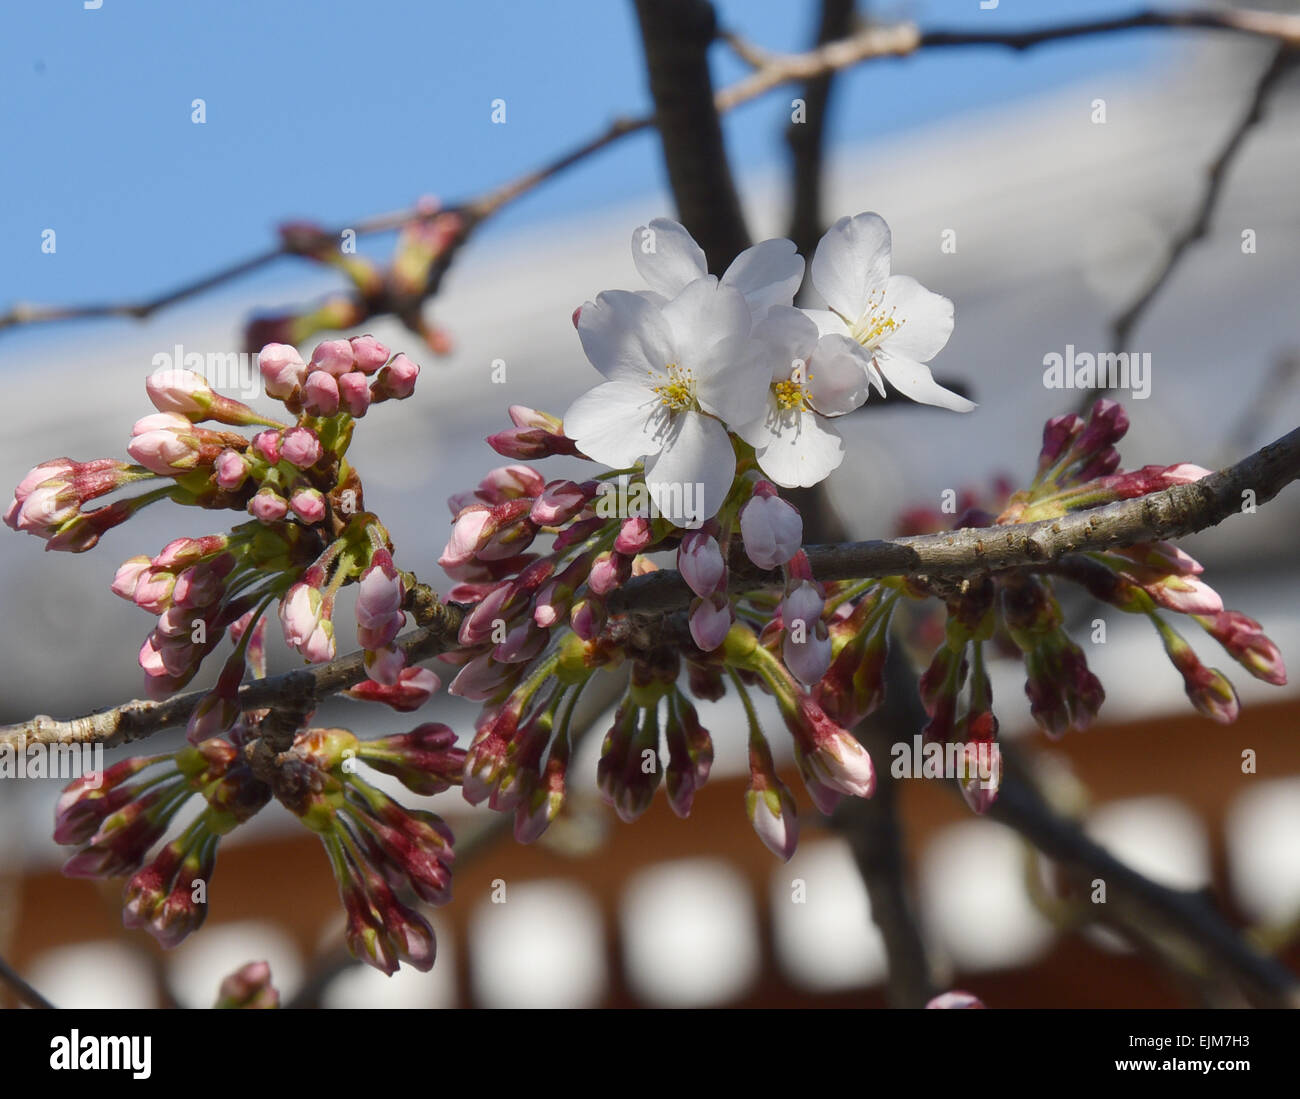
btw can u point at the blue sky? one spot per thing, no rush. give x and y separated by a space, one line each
332 110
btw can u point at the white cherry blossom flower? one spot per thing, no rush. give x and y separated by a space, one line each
896 322
812 378
668 258
677 374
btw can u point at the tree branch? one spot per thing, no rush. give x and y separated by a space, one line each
971 551
1199 225
26 993
874 833
1022 806
773 70
138 719
676 35
807 138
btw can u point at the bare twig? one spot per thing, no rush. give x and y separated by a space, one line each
1199 224
773 70
20 988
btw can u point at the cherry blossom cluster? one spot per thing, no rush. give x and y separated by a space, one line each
717 394
309 534
378 849
1017 613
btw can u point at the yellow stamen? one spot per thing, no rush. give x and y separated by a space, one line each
678 393
873 326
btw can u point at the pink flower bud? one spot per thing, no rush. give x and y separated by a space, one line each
231 469
772 813
249 987
300 611
368 353
511 483
283 371
413 689
319 647
300 447
320 394
128 576
396 381
179 391
153 590
380 593
308 504
700 562
467 535
268 506
710 620
955 999
635 536
1246 643
384 665
164 443
334 357
354 393
609 571
587 617
559 502
980 772
833 754
268 443
772 529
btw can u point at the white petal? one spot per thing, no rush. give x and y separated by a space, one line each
913 379
827 323
666 256
925 319
625 336
792 338
764 429
734 381
700 316
803 456
838 375
691 476
616 423
851 259
767 274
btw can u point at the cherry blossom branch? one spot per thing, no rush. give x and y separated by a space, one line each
1176 511
138 719
772 70
1173 512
